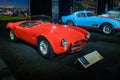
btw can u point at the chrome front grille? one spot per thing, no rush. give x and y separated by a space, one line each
78 43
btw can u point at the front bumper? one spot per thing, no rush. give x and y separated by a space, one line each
77 46
117 29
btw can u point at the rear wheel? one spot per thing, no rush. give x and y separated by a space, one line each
70 23
12 36
107 28
44 48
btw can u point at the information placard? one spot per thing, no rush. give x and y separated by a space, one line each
89 59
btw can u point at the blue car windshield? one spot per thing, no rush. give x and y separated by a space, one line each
111 14
90 14
115 14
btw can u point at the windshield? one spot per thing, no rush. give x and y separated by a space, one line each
90 14
112 14
43 18
29 23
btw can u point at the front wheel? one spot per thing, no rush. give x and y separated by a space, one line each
44 48
107 29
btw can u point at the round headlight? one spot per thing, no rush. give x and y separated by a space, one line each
88 35
64 42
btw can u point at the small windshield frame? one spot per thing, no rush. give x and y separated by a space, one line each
29 23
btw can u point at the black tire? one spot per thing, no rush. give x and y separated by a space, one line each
107 28
12 36
70 23
44 48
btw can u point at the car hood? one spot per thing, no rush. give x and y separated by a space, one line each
62 30
104 17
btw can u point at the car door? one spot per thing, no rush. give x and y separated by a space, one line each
25 33
85 21
80 19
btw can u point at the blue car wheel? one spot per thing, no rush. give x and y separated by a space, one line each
107 28
70 23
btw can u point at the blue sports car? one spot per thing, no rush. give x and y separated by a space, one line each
107 23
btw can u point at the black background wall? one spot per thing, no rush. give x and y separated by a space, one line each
101 5
64 7
39 7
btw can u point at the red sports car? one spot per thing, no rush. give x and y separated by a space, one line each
50 39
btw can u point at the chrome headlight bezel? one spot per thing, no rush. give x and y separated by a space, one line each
88 35
63 42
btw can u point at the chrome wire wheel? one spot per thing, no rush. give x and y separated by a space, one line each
12 36
107 29
43 47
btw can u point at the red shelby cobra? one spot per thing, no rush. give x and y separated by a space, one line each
50 39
